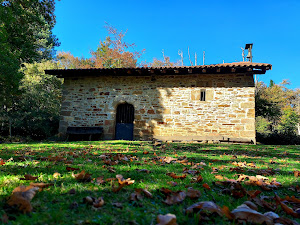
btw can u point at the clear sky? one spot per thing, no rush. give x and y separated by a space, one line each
218 27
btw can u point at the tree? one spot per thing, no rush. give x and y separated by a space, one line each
69 61
25 36
114 52
35 112
276 108
289 121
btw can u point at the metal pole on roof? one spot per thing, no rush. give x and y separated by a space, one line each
203 57
195 58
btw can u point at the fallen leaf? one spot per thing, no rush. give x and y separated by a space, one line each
173 175
192 193
82 176
122 182
21 197
205 185
197 179
1 164
173 197
205 206
28 177
168 159
41 185
168 219
98 180
71 168
219 177
245 214
286 209
98 202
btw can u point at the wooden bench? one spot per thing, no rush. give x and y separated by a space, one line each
82 133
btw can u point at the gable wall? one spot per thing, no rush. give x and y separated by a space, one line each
167 108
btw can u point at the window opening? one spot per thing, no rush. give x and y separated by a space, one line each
202 95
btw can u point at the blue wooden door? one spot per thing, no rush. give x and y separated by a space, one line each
124 122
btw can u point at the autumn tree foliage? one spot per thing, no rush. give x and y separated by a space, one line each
277 109
114 52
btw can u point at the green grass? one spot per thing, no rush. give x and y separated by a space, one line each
52 205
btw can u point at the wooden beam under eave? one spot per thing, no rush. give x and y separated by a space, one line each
218 70
190 70
233 70
203 70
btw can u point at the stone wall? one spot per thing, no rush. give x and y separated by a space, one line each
166 107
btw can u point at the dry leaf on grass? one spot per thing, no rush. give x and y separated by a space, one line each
172 196
197 179
71 168
206 186
245 214
168 219
168 159
173 175
287 209
82 176
95 202
137 194
28 177
192 193
21 197
175 197
98 180
122 182
98 203
1 164
219 177
41 185
206 206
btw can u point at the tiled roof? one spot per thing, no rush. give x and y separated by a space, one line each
236 67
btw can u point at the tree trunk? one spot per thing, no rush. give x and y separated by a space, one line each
9 127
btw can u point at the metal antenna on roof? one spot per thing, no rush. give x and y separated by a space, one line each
163 52
203 57
195 58
243 54
190 56
180 53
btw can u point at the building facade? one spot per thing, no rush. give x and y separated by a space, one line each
200 103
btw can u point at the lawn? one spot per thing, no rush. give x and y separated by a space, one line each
167 171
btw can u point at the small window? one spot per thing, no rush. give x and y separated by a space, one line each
202 95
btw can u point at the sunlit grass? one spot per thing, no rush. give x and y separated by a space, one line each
53 205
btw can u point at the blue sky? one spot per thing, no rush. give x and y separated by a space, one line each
218 27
